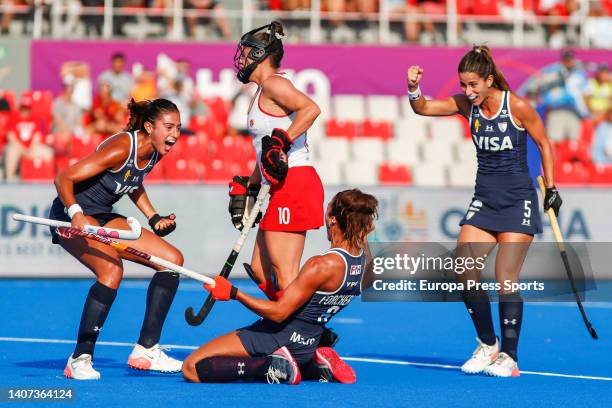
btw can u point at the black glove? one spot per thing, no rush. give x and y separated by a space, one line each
239 192
162 232
552 199
274 160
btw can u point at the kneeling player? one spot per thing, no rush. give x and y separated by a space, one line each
283 345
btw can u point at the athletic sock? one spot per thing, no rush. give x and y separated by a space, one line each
160 294
97 305
225 369
479 308
510 320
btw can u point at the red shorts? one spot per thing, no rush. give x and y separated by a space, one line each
296 204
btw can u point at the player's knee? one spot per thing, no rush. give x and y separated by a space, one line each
176 257
189 371
111 275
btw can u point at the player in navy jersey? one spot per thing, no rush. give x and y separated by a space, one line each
504 208
282 346
87 192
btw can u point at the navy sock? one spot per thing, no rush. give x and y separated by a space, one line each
510 320
479 308
225 369
160 295
97 305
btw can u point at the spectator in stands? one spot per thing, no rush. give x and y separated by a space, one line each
81 94
64 27
7 16
219 17
601 149
107 115
25 139
598 25
600 92
119 79
67 117
291 5
145 86
182 101
557 9
563 87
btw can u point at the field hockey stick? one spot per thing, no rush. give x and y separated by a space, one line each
132 234
70 231
190 316
561 244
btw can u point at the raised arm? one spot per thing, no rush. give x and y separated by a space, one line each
433 107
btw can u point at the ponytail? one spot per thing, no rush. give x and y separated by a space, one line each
355 213
147 111
480 61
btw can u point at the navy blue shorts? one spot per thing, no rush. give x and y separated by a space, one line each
58 212
507 203
264 337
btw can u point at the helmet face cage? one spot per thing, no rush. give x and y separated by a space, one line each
245 64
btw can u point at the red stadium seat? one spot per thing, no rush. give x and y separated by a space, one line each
42 105
204 124
33 170
219 171
601 175
485 7
574 174
390 174
587 131
340 128
83 146
379 129
181 170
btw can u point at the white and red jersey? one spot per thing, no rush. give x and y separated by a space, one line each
261 123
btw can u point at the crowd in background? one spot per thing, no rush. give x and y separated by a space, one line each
565 94
416 16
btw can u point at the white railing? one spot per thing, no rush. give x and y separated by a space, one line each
248 16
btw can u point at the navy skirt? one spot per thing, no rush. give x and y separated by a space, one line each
504 203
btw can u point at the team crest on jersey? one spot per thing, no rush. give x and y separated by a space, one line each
477 125
502 126
355 269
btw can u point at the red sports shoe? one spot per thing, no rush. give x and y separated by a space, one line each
332 367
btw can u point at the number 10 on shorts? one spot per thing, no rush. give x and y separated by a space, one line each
284 215
527 214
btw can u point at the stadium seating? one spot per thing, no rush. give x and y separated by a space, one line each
37 170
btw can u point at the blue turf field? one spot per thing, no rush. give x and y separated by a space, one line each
405 354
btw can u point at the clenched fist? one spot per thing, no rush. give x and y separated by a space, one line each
414 75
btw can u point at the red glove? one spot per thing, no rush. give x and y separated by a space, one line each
274 160
223 289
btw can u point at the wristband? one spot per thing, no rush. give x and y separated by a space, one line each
74 208
233 292
413 96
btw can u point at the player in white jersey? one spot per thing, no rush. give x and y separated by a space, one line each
278 119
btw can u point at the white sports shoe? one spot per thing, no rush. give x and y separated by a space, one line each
481 357
81 368
153 359
503 366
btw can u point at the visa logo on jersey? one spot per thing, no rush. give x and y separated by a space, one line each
121 190
492 143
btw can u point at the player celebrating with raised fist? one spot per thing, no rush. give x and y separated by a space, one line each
278 119
504 208
87 192
283 346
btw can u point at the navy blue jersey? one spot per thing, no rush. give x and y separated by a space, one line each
98 194
501 145
322 306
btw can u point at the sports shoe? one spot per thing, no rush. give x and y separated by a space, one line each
481 357
332 367
81 368
283 368
153 359
503 366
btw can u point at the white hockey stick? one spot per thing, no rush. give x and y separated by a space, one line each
132 234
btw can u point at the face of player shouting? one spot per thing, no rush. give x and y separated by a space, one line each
475 87
164 132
